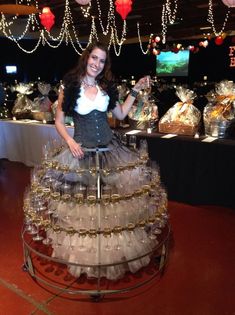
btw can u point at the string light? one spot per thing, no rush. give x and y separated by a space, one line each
210 19
140 42
68 33
168 16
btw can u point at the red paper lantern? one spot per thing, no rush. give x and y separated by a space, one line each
47 18
123 7
219 40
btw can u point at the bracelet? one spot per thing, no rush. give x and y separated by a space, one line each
134 93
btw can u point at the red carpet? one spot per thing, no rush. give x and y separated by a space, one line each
198 280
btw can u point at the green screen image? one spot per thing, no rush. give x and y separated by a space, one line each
172 64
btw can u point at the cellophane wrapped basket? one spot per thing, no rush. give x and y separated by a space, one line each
23 105
220 109
144 112
183 118
42 105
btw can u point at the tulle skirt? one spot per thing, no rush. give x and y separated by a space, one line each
104 212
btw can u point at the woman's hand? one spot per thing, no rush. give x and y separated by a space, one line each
143 83
75 148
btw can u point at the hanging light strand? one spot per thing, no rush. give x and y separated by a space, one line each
168 16
67 32
110 17
211 20
140 41
112 40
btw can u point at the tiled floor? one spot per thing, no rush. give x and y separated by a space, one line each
199 278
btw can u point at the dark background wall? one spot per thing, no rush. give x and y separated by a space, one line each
50 64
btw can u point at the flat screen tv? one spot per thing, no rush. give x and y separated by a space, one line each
11 69
170 64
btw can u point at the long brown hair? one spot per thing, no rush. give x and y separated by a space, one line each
79 71
72 80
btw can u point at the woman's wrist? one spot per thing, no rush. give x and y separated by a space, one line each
69 140
134 92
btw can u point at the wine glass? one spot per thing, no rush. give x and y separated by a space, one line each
47 226
105 201
92 163
107 236
130 228
132 141
82 235
57 229
143 149
117 231
70 231
93 235
91 201
37 222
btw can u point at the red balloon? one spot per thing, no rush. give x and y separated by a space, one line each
219 40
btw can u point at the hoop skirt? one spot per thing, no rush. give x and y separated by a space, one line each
102 214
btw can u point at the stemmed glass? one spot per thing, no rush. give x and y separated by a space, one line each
46 151
142 227
152 235
57 229
37 222
65 188
132 141
143 149
80 189
82 235
79 208
91 201
47 240
130 228
93 235
53 202
92 163
115 202
107 236
66 199
124 139
105 201
70 231
117 230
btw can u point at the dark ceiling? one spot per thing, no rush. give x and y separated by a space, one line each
190 17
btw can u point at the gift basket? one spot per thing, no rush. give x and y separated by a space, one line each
183 118
42 105
123 91
220 110
23 105
144 112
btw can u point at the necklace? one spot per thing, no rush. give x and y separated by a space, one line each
88 85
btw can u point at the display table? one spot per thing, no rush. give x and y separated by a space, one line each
195 171
22 141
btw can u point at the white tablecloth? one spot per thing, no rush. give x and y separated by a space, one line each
23 141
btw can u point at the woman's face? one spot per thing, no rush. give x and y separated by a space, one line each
96 62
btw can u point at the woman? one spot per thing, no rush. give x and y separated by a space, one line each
89 87
103 197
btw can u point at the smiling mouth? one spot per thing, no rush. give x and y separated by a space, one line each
94 69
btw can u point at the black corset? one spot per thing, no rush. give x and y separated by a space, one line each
92 130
